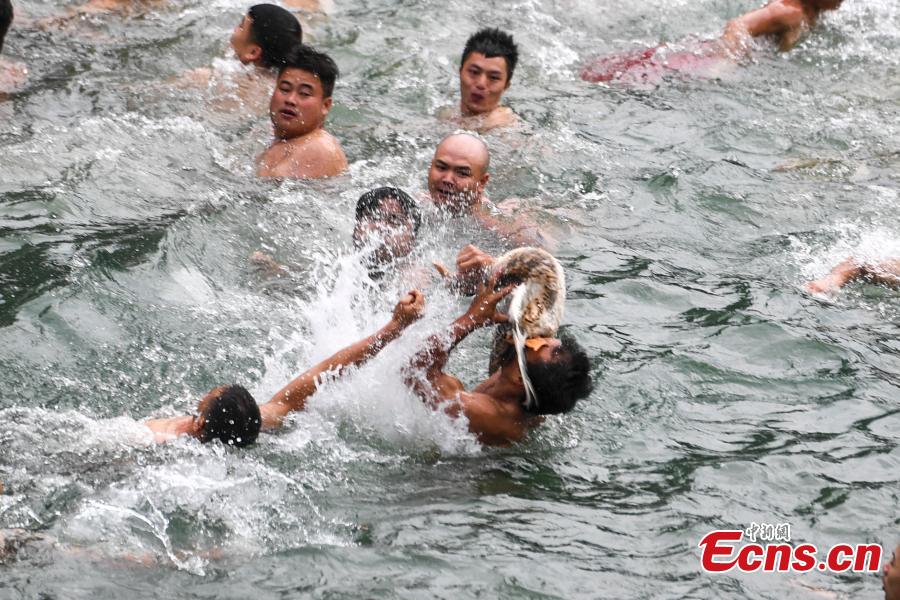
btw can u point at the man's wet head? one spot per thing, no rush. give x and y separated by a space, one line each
486 69
459 172
302 96
228 413
266 35
559 370
387 222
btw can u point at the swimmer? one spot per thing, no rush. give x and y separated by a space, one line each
12 74
457 178
886 272
559 370
485 73
263 39
387 222
891 580
784 21
299 107
231 415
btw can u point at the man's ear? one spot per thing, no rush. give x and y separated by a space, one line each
254 53
326 105
484 181
197 427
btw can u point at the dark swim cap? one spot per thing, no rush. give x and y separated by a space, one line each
276 31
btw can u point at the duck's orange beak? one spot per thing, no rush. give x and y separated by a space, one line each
537 343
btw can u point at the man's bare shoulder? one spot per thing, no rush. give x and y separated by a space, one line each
312 156
496 422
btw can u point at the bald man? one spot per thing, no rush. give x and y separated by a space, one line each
457 179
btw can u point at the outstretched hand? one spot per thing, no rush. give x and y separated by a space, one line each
473 266
410 308
483 310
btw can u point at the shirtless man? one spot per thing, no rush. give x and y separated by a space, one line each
783 20
886 272
263 38
457 178
230 414
387 223
485 72
12 74
495 409
299 107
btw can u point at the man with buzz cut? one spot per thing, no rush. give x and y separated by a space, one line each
299 107
488 62
457 178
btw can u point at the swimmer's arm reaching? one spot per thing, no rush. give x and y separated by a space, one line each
775 18
885 272
495 423
293 396
473 267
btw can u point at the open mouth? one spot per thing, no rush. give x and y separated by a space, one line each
287 113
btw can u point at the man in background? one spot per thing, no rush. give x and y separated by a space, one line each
299 107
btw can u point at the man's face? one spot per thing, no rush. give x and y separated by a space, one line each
298 105
457 176
390 231
242 42
482 81
543 352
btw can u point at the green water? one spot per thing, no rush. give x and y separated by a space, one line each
724 394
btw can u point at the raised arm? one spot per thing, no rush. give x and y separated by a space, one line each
426 370
293 396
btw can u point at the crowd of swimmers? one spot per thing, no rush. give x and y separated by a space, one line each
299 82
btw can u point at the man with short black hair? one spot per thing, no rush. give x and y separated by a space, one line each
485 73
227 413
299 107
387 222
12 74
496 408
231 415
265 36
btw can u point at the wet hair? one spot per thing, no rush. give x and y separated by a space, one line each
6 18
369 205
276 31
318 63
493 43
232 417
562 381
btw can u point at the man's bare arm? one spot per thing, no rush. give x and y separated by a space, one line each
772 19
293 396
435 386
886 272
